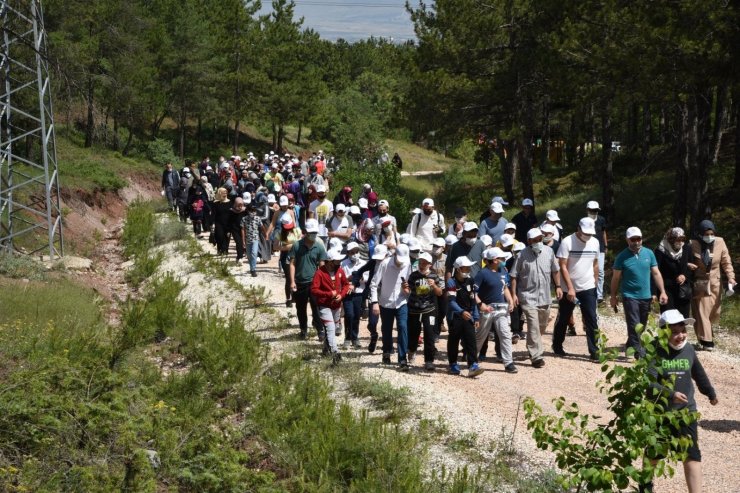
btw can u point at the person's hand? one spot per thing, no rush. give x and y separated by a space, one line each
613 301
338 297
485 308
692 266
663 298
293 287
680 398
467 316
572 295
376 309
558 293
515 299
476 325
714 401
431 283
681 279
511 306
333 293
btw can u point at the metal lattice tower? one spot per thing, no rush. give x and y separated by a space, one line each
30 216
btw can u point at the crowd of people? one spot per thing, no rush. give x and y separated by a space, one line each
480 282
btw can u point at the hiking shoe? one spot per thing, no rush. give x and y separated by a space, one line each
511 368
346 344
571 330
559 351
429 366
515 338
442 328
303 335
474 370
386 359
289 303
412 356
321 337
538 363
335 358
454 369
403 366
371 347
356 344
254 273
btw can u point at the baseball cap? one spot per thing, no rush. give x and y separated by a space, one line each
271 199
312 226
670 317
352 245
509 226
425 256
592 204
334 254
499 200
527 202
283 200
587 226
414 244
469 226
286 222
380 252
402 253
506 240
462 261
404 238
450 240
320 188
439 242
383 202
354 210
552 215
534 233
487 240
495 252
428 201
340 208
547 228
633 231
518 247
362 203
497 207
366 186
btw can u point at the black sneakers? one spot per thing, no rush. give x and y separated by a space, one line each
538 363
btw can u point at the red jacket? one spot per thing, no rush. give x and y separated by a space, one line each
322 286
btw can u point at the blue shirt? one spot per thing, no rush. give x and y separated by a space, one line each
635 269
490 286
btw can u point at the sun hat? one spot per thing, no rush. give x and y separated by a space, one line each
633 232
587 226
462 261
670 317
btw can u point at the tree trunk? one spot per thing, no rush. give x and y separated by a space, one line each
572 143
90 126
720 111
699 165
545 151
663 125
525 149
682 170
182 133
274 136
607 164
506 152
129 141
281 137
235 147
116 141
736 180
300 130
199 132
647 131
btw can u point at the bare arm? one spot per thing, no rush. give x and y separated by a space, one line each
566 277
658 279
616 277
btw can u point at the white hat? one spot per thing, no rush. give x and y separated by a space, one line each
462 261
287 222
506 240
414 244
518 247
334 254
415 211
402 253
633 231
340 208
450 240
321 188
428 201
362 203
247 197
354 210
425 256
547 228
527 202
587 226
592 204
499 200
670 317
283 200
487 240
469 226
274 166
383 202
367 186
552 215
272 153
497 207
534 233
312 226
352 245
404 238
380 252
335 244
440 242
208 168
509 226
271 198
495 252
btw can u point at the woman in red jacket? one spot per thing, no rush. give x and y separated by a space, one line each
329 287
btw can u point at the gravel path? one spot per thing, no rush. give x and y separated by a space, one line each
488 406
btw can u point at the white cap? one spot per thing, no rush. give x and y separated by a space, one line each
487 240
286 222
283 200
509 226
312 226
271 198
440 242
428 201
670 317
362 203
462 261
534 233
499 200
335 244
405 238
592 204
587 226
414 244
274 166
633 231
334 254
528 202
402 253
208 168
321 188
247 197
354 210
469 226
495 252
547 228
450 240
366 186
425 256
380 252
518 247
497 208
506 240
340 208
352 245
383 202
552 215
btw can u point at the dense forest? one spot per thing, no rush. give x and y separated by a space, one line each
534 84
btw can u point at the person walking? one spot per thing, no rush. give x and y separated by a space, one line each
593 209
305 257
329 287
534 269
711 258
389 293
633 267
427 224
673 256
579 272
426 287
495 224
353 302
170 186
251 224
524 220
221 214
462 316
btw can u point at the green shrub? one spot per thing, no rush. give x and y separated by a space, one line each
19 266
160 151
138 231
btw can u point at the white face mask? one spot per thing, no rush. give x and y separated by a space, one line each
679 347
471 241
593 215
537 247
465 275
438 251
678 245
708 239
355 257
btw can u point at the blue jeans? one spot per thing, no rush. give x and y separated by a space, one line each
587 300
352 312
252 251
387 316
635 312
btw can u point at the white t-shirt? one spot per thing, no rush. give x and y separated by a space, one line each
580 263
340 225
321 212
423 228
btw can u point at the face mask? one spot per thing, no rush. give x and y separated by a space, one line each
414 255
583 237
355 257
537 247
593 215
311 236
471 241
465 275
635 245
678 245
708 239
679 347
382 214
438 251
548 239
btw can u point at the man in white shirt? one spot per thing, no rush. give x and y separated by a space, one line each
340 226
578 257
427 224
321 209
389 293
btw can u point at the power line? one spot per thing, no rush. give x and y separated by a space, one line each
349 4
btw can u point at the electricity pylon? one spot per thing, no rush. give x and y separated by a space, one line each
30 216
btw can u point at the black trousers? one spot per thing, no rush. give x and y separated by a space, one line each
415 323
302 298
461 330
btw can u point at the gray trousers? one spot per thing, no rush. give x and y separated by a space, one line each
537 318
500 322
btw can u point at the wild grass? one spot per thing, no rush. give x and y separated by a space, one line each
383 396
417 158
18 266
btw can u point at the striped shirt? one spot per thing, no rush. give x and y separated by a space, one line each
533 273
580 264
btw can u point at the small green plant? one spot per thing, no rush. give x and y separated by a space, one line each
18 266
605 456
383 396
159 151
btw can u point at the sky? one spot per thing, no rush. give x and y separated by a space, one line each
353 20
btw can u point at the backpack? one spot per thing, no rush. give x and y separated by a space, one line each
438 228
198 206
